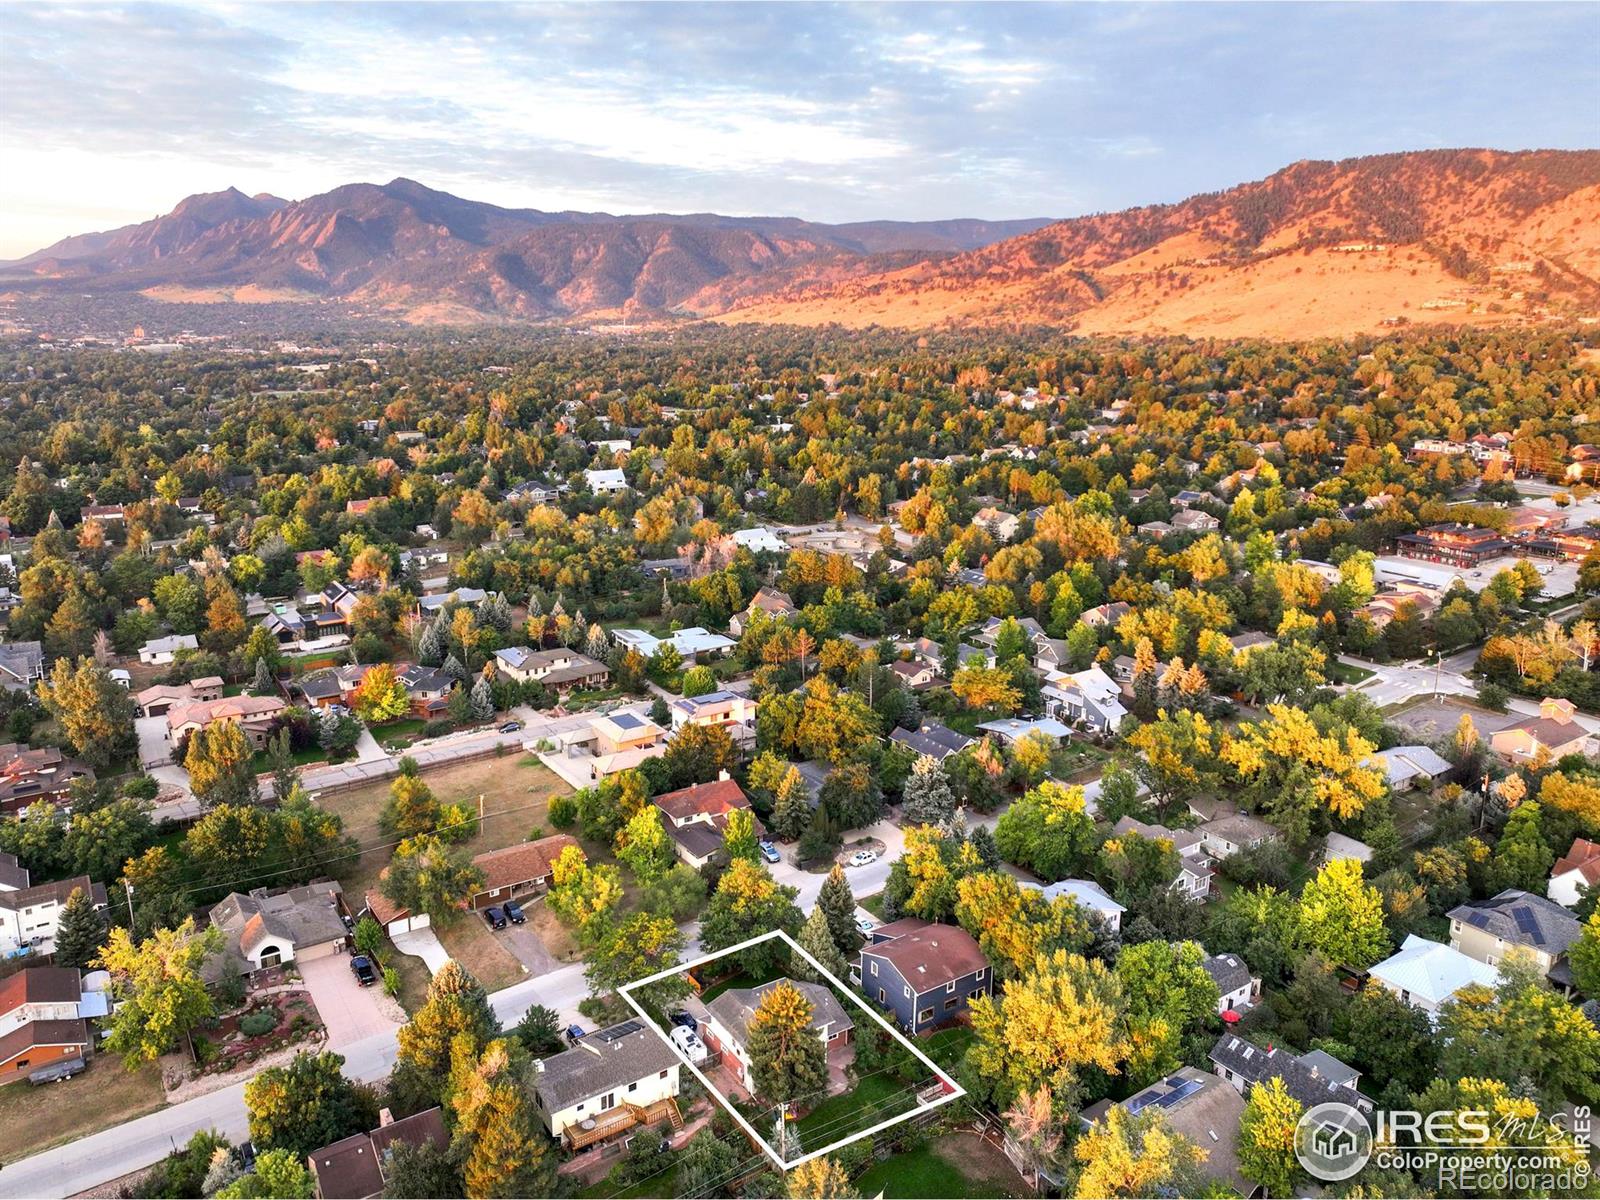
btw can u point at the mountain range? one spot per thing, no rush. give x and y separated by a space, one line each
1450 236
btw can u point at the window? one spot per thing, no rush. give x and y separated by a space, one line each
874 967
663 1075
633 1087
908 991
882 998
951 986
925 1015
951 1003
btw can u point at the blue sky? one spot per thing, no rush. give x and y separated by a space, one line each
112 113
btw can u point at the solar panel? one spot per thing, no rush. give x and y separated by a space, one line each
625 720
1182 1092
1478 919
617 1032
1529 925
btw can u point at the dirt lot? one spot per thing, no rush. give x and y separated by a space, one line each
36 1118
514 790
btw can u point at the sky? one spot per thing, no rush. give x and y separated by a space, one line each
111 113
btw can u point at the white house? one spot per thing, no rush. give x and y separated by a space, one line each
692 643
1425 974
1090 696
29 915
1236 987
1193 880
606 482
1086 894
1578 867
1232 834
160 651
759 540
613 1080
1012 730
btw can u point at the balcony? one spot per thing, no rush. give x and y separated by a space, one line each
606 1125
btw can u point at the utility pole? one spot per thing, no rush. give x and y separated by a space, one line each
129 886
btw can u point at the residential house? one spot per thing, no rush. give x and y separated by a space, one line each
613 742
607 481
695 817
428 689
1578 868
768 600
1412 766
1001 524
934 739
263 928
694 644
331 686
1425 974
560 669
1312 1079
917 676
359 1166
520 870
721 710
434 602
393 917
30 914
21 665
257 716
925 974
1193 880
42 1020
727 1030
990 633
1338 845
1194 520
1245 643
1087 895
1516 922
1237 988
613 1080
1554 733
1201 1107
162 650
759 540
160 699
30 774
1090 697
1105 616
1231 833
1012 730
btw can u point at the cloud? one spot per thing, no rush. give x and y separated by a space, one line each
830 111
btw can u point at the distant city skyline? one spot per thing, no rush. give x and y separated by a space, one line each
114 113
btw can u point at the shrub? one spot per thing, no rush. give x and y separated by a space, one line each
563 811
262 1020
391 982
143 787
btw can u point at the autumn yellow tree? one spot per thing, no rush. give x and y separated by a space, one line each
820 1179
1575 794
1300 775
986 688
1137 1155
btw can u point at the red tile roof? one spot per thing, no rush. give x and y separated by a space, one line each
526 863
718 798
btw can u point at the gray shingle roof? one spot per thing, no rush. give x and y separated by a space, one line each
1301 1078
734 1008
1523 918
606 1059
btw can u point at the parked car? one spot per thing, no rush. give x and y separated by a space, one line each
865 926
575 1034
514 913
494 918
511 727
366 974
685 1019
689 1042
769 851
863 858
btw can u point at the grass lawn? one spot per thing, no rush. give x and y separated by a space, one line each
873 904
960 1165
1340 672
741 980
414 977
103 1095
947 1047
653 1185
876 1098
394 734
470 943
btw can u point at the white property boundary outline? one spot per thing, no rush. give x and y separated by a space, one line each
955 1090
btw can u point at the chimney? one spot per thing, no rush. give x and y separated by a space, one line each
538 1066
385 1118
722 776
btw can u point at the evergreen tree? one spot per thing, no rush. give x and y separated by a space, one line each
816 938
928 799
456 1004
280 760
788 1064
595 647
482 699
454 669
327 729
791 807
81 932
264 684
838 904
981 840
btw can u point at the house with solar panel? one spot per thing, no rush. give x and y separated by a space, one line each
1198 1105
1517 922
614 1080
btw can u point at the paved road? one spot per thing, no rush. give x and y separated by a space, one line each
139 1143
1395 683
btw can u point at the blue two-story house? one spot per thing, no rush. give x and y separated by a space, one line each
925 974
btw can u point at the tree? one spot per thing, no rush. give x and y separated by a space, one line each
1137 1155
307 1105
644 846
1015 926
412 809
1064 1015
927 798
1049 831
456 1005
788 1061
1522 859
159 994
80 933
816 939
838 904
1170 1000
791 806
982 687
380 696
820 1179
639 945
482 699
98 841
739 836
699 754
1390 1041
94 711
495 1138
1583 956
1575 794
428 876
220 762
748 902
582 895
1340 917
1036 1131
1177 755
278 1175
1266 1138
678 893
1300 774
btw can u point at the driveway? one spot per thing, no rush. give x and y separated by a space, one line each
154 749
529 948
350 1012
425 944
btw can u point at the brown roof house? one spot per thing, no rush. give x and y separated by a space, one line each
42 1025
263 928
1554 733
925 974
727 1030
1203 1108
30 774
518 870
1578 868
695 817
358 1166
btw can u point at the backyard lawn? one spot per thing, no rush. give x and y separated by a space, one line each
875 1098
1341 672
103 1095
958 1165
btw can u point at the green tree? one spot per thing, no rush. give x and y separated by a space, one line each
644 846
94 711
1049 831
159 994
838 904
788 1061
1583 956
278 1175
747 902
927 798
1171 1000
816 938
791 807
739 836
429 876
1521 857
307 1105
411 809
1266 1138
80 933
1340 917
638 946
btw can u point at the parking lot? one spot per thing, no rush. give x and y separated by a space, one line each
349 1011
